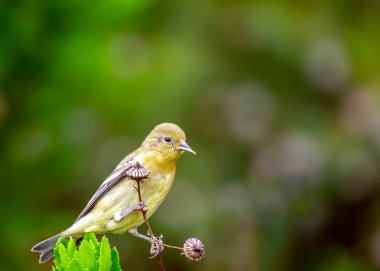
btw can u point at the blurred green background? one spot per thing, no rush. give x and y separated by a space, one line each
279 98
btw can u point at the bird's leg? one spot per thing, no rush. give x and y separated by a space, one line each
135 233
156 242
139 207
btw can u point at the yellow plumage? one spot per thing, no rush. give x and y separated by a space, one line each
117 195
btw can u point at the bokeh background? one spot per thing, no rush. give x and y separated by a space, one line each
279 98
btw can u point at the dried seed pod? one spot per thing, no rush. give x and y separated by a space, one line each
137 172
193 249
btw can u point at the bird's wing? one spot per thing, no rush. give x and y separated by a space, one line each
118 174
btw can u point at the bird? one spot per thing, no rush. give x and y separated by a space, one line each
115 207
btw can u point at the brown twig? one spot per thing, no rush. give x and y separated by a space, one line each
170 246
148 225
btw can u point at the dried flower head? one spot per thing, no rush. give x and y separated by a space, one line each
137 172
193 249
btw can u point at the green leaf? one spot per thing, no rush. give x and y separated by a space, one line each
77 255
87 254
105 255
90 256
57 257
91 239
64 257
72 246
93 242
115 260
76 265
63 241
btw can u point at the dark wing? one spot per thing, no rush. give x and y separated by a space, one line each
118 174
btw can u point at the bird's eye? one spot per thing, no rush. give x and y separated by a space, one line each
167 139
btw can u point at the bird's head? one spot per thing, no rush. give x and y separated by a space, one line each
167 140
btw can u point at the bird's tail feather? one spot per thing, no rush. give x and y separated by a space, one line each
46 248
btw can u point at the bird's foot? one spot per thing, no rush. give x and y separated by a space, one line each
141 206
156 242
156 246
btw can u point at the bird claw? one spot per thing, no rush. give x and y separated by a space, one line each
141 206
156 246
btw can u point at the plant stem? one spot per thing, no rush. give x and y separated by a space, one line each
148 226
170 246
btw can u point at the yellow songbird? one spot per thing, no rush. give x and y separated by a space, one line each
115 207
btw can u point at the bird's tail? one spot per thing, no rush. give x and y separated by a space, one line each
46 248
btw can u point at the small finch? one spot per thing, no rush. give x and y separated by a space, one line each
115 206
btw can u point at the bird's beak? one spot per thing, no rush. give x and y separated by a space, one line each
183 146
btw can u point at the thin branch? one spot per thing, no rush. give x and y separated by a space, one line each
148 225
170 246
